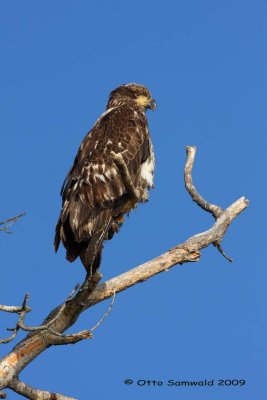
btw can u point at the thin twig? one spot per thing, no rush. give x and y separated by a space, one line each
10 222
219 247
106 313
11 337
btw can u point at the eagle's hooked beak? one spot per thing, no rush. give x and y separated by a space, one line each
152 105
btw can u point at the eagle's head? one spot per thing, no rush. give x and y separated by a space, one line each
132 94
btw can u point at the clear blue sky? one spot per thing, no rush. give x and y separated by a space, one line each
205 63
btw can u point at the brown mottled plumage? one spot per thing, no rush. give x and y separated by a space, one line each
94 198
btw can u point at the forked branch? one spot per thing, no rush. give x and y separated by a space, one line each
216 211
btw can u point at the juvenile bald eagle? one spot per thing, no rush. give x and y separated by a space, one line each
94 198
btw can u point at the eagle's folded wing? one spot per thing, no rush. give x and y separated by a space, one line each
93 189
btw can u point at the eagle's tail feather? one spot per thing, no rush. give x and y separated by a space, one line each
64 233
89 249
91 255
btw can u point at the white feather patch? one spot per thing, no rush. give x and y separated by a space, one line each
147 171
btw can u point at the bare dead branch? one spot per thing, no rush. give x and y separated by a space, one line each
188 251
27 328
89 293
11 337
15 309
60 339
52 320
35 394
71 339
216 211
22 310
12 309
10 222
